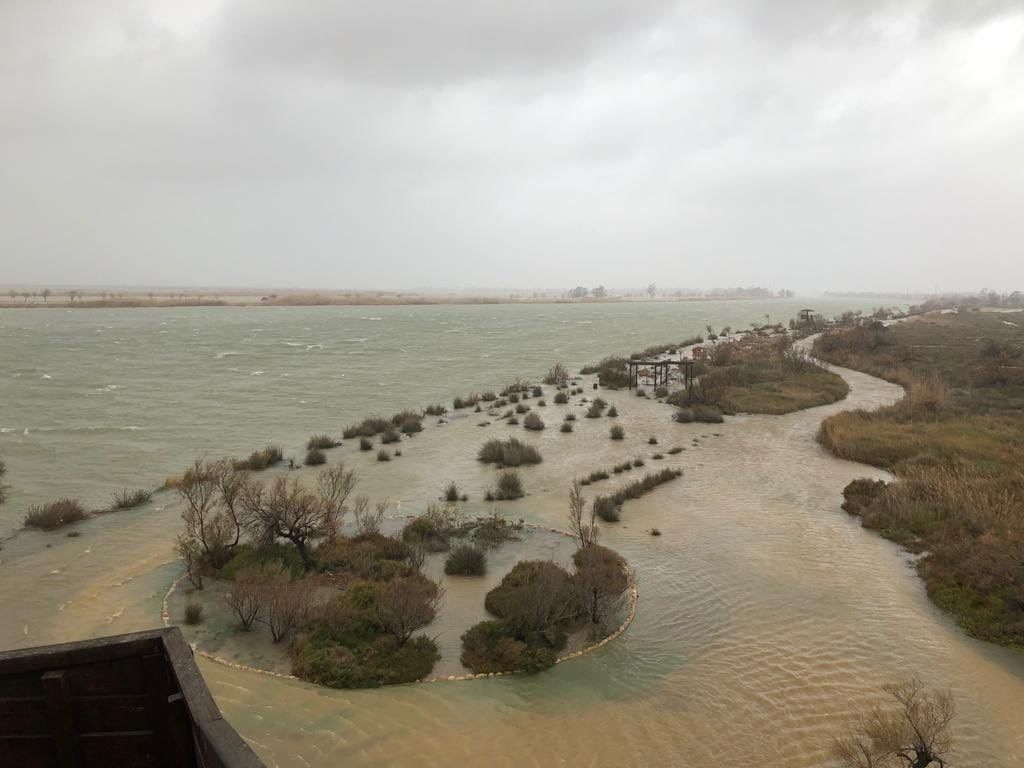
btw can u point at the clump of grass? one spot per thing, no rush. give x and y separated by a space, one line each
624 466
595 411
320 442
411 425
509 486
599 474
606 509
570 416
638 461
533 422
435 409
537 391
452 493
657 456
612 412
641 393
637 488
55 514
489 396
390 435
513 421
383 455
661 391
509 453
521 409
193 613
465 402
368 427
617 432
542 403
703 414
127 499
260 460
561 398
315 457
655 532
365 444
652 440
566 426
675 449
465 560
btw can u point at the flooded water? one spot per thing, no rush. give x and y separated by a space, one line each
766 615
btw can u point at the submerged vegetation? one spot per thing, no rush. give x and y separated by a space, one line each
511 452
55 514
954 443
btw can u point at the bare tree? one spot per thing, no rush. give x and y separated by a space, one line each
45 293
248 593
368 522
584 529
286 511
405 605
912 733
230 485
335 485
286 604
205 523
188 549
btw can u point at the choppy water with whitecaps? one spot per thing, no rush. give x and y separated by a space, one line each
766 615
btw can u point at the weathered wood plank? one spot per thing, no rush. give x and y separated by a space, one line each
62 725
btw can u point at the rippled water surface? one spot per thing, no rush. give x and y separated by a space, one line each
766 614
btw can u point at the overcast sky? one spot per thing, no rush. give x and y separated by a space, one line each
811 144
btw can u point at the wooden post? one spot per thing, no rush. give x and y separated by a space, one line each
62 726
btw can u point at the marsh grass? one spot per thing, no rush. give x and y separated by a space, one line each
617 432
55 514
511 452
127 499
320 442
260 460
315 457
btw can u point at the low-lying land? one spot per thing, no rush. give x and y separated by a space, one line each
956 444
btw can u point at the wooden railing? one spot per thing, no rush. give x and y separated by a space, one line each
134 700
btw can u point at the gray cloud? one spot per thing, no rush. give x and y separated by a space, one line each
819 145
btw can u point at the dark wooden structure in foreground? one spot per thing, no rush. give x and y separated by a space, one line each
130 701
660 371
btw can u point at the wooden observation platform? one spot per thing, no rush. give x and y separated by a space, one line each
658 373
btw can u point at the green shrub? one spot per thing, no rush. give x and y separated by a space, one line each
492 646
126 499
434 529
315 457
510 453
489 396
250 557
319 657
492 531
193 613
612 372
260 460
606 509
533 422
465 560
561 398
641 393
617 432
320 442
520 595
509 486
370 556
365 444
55 514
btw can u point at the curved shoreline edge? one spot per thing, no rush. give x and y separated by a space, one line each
632 589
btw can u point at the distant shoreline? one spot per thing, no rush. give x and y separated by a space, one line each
317 300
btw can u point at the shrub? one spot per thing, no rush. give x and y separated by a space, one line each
612 372
661 391
570 416
557 375
537 391
617 432
533 422
599 581
542 403
641 393
390 435
489 396
494 530
249 556
534 597
465 560
510 453
594 411
492 646
509 486
365 444
193 613
411 425
521 409
638 461
371 556
451 492
434 529
513 397
513 421
55 514
315 457
561 398
599 474
613 412
674 450
320 442
383 455
606 509
435 409
657 456
566 426
260 460
126 499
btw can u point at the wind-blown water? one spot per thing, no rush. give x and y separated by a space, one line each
766 614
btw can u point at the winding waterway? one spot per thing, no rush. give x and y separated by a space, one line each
766 614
